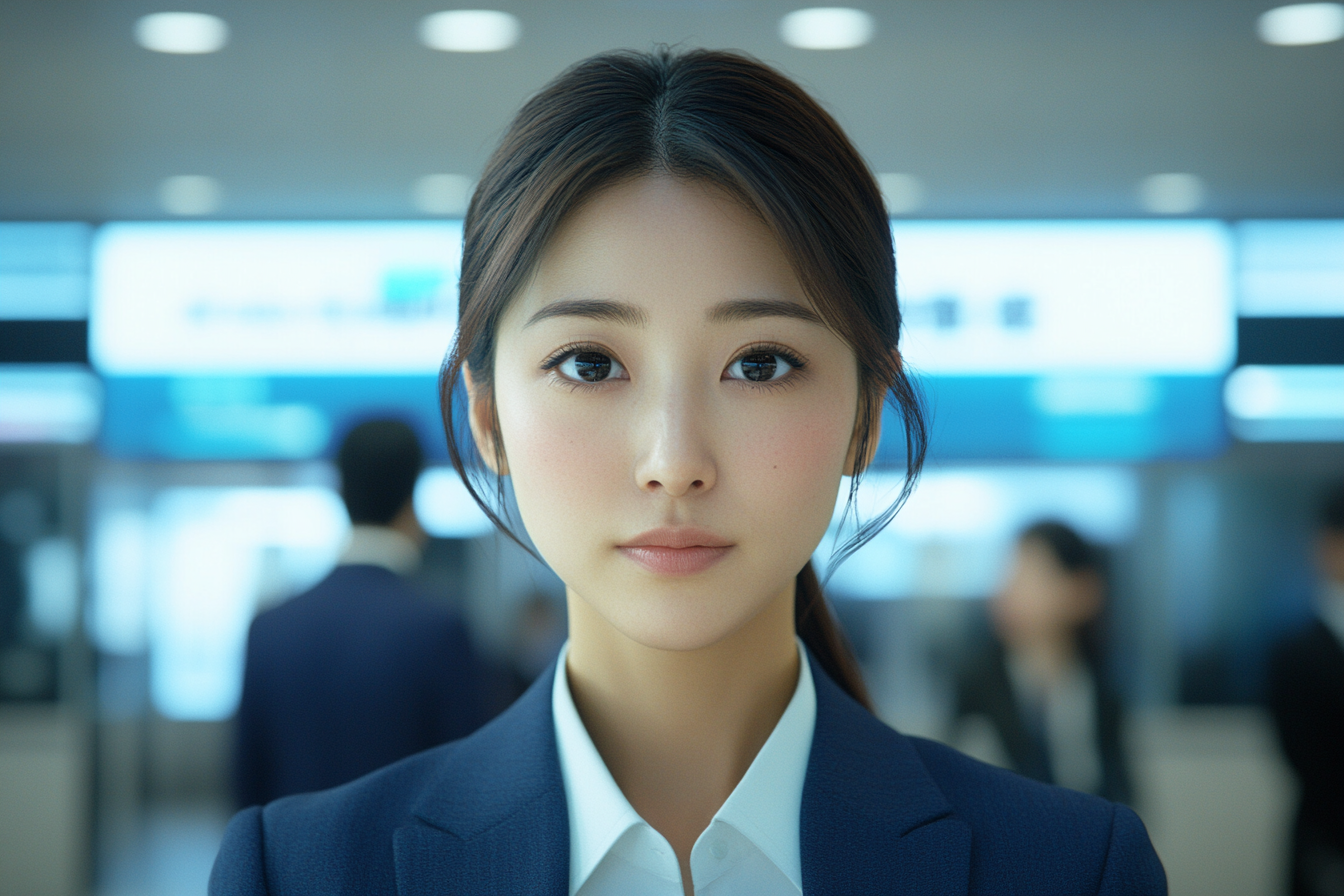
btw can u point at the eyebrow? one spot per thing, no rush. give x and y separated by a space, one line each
732 311
592 309
738 310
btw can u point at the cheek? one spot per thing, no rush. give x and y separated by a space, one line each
799 446
789 463
561 456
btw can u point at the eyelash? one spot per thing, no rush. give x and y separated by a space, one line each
794 360
564 352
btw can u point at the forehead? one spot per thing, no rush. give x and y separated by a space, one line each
663 243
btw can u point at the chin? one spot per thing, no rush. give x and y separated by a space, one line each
679 622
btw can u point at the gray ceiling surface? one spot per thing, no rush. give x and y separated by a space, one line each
1003 108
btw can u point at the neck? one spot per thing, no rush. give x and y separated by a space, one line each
678 729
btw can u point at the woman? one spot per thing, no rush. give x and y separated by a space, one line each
1041 682
678 329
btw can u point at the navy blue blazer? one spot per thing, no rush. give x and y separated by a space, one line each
354 674
882 813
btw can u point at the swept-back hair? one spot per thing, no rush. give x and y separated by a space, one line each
722 119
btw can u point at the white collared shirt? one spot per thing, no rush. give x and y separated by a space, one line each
751 845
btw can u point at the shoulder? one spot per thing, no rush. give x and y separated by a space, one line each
1004 807
339 839
371 595
1024 831
344 840
1307 652
956 823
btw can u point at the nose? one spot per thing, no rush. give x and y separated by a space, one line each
676 457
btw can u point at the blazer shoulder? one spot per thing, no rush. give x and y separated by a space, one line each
1027 830
330 841
342 840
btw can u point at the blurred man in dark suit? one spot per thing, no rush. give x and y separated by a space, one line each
359 671
1306 693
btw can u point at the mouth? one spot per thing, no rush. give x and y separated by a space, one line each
676 551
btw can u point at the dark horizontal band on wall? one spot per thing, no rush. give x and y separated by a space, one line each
1290 340
44 342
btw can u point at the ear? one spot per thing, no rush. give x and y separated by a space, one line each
853 463
484 424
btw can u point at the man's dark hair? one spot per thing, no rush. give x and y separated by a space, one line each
1332 509
379 463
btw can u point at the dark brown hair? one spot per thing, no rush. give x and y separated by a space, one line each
723 119
379 461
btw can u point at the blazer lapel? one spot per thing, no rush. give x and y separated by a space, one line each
873 819
495 819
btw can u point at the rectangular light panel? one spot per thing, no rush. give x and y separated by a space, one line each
274 298
1001 297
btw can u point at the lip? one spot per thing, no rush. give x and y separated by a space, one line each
680 551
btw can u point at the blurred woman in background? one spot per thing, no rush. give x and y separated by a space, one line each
1039 686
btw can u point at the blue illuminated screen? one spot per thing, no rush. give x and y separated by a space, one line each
1057 340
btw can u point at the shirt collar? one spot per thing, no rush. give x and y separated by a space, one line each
380 546
765 807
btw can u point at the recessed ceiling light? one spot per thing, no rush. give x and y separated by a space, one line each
442 194
1171 194
1301 24
903 193
826 28
470 31
189 195
181 32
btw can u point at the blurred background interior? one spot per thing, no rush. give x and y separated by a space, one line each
229 236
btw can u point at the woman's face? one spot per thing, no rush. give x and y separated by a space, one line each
675 417
1040 599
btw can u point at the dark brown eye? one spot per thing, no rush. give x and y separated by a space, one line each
588 367
759 367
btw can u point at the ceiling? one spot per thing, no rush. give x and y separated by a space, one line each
1003 108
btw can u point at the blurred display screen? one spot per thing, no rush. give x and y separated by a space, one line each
51 403
1069 340
200 299
1291 268
44 270
1286 402
242 340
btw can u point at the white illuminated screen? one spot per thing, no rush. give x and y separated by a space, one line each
1291 268
274 298
445 508
998 298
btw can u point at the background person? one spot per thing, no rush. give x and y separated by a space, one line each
1306 696
360 670
1040 681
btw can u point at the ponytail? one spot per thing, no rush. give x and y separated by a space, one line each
825 639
